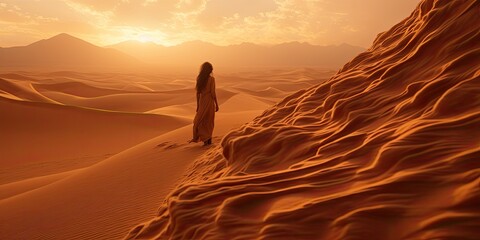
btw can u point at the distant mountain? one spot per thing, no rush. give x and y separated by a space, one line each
243 55
64 51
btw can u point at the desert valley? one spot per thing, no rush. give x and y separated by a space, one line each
64 126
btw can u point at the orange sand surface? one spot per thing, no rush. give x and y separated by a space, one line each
388 148
90 155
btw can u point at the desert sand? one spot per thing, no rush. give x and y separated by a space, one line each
387 147
91 155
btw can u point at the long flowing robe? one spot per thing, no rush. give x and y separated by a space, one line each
204 118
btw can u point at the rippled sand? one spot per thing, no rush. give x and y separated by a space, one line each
91 155
388 148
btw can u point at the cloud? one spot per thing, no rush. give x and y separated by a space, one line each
218 21
10 13
92 13
280 21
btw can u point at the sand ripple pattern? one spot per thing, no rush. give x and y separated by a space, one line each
388 148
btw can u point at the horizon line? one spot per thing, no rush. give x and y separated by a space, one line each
185 42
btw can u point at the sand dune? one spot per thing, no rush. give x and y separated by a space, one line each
270 91
15 188
242 102
77 158
22 91
105 200
79 89
76 137
388 148
182 110
134 102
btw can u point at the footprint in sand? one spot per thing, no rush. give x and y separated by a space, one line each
167 145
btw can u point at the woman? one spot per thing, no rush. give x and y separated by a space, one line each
207 105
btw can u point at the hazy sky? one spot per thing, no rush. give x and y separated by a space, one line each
223 22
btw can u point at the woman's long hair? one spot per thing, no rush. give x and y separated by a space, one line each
202 78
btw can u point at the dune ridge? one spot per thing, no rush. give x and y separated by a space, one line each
104 200
386 149
88 155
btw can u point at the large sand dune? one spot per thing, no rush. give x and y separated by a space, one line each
388 148
40 138
90 155
104 200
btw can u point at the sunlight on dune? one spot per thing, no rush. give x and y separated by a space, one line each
386 149
89 155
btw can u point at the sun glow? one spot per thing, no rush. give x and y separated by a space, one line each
142 35
173 22
143 38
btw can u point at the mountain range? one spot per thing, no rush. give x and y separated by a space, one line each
66 52
291 54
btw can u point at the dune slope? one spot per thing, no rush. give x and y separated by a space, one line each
77 137
388 148
105 200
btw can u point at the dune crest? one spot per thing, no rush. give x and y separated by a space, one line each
386 149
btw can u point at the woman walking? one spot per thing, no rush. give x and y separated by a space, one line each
207 105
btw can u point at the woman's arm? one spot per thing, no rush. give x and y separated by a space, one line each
214 94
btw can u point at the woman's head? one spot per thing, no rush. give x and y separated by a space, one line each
206 67
202 78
